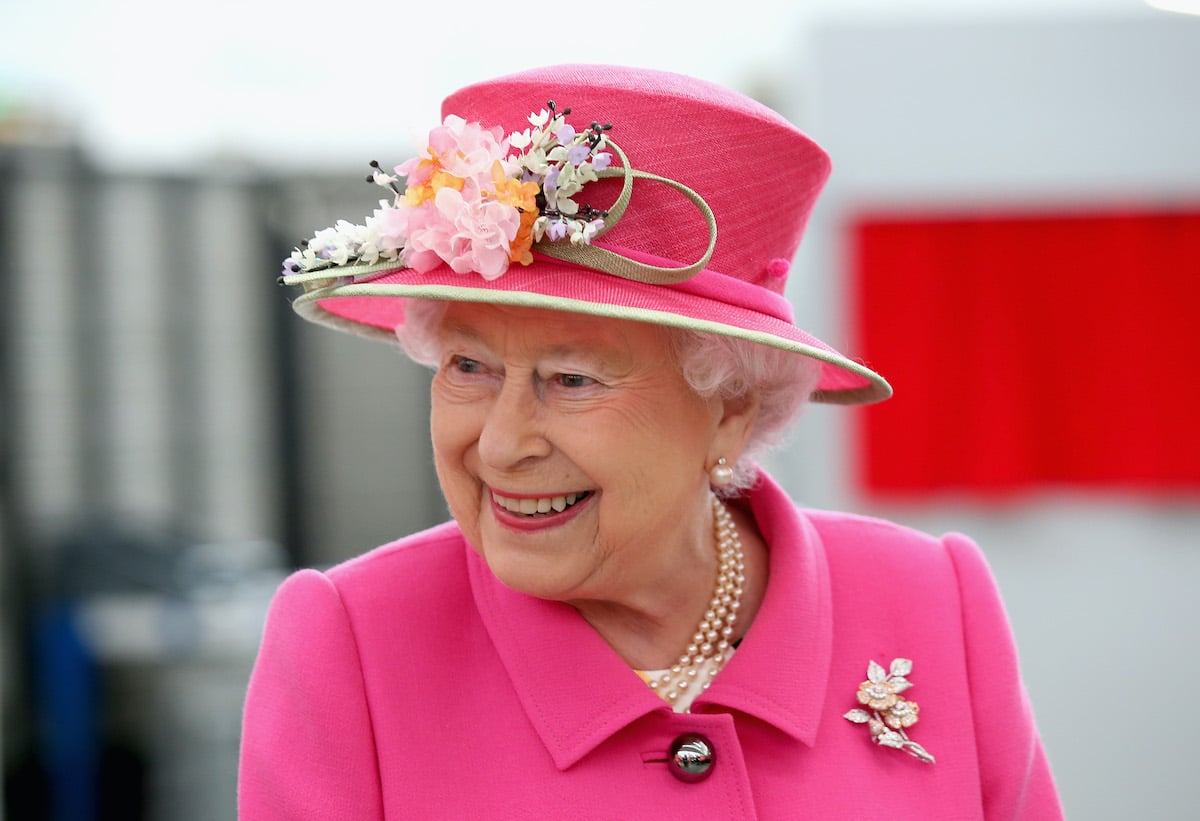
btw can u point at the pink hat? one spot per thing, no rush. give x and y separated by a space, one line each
676 202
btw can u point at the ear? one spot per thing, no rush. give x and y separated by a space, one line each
734 420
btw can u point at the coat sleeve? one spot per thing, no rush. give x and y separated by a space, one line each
308 750
1016 778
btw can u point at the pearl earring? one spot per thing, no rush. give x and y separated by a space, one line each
721 473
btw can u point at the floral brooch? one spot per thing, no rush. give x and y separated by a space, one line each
887 714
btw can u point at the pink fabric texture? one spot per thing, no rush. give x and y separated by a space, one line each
409 683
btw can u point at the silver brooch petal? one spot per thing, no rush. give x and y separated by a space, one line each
886 714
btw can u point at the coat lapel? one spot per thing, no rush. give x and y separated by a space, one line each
575 689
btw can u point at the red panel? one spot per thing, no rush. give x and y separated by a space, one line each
1031 350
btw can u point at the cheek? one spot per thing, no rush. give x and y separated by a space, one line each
453 423
670 424
644 450
453 433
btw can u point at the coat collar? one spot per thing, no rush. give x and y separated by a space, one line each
558 664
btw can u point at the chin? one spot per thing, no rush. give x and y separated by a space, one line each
516 574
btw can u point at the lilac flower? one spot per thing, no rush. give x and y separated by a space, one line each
578 154
557 230
602 161
551 181
565 133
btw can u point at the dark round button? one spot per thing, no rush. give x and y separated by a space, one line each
692 758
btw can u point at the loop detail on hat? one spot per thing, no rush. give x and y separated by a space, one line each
611 262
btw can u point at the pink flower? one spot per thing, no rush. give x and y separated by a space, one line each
417 170
426 232
467 150
393 226
468 233
458 152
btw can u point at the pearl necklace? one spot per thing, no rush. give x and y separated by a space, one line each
710 646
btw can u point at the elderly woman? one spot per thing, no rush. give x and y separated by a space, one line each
626 618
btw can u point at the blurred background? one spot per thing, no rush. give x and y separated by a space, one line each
1011 235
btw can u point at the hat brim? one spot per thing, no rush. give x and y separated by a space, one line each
369 301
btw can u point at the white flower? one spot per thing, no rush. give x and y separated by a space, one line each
582 232
520 140
539 119
534 161
570 187
586 173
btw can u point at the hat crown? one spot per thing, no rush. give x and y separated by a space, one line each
759 173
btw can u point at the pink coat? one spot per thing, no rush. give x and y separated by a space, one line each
409 683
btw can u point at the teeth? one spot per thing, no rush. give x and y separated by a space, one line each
545 504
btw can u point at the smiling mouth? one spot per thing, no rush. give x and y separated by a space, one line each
540 506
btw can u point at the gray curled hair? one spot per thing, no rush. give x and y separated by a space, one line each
712 364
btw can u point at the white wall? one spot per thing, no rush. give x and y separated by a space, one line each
1070 112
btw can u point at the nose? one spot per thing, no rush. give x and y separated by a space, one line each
512 433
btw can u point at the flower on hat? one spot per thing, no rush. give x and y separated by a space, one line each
474 200
890 714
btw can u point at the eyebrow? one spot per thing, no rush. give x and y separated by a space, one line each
463 331
591 349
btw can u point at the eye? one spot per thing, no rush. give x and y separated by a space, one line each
574 380
463 371
463 364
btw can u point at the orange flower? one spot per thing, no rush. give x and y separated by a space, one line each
520 195
435 178
878 695
523 197
524 239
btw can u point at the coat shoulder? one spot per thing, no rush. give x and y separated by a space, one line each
424 551
418 573
897 552
871 538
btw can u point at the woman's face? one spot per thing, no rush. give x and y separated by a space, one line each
572 452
